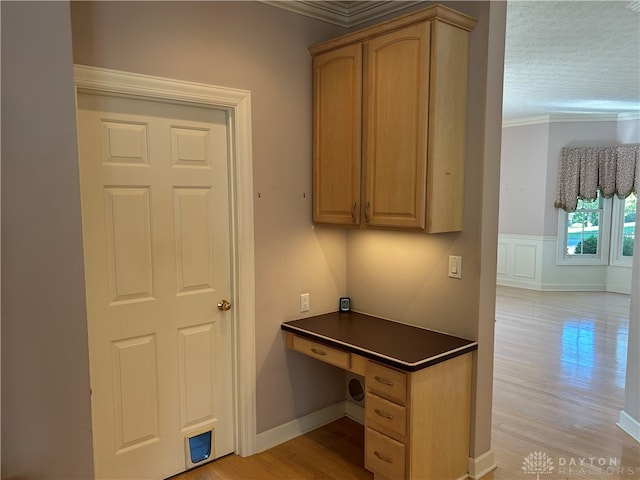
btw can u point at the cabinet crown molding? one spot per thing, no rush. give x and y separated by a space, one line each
435 12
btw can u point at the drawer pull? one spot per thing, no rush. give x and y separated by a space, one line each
384 458
384 381
318 352
383 415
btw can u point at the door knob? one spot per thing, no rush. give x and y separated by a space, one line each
224 305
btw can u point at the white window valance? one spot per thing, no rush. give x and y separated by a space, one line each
583 171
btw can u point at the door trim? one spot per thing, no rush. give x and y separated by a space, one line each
103 81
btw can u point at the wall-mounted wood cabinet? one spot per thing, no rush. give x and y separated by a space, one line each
389 120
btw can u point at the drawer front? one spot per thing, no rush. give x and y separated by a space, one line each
384 455
385 416
322 352
386 382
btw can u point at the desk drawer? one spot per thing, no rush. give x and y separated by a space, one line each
384 455
386 417
321 352
386 382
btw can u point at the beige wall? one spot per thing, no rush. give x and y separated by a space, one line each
46 419
254 46
263 49
403 276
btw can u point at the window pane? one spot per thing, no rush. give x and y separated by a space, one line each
629 226
589 204
583 229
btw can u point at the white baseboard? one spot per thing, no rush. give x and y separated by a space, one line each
354 412
285 432
480 466
574 287
630 425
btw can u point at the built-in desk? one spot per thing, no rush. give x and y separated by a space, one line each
418 390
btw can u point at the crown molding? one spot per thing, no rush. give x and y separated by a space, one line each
343 14
571 118
519 122
629 116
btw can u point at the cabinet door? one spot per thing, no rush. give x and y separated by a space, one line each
337 107
395 131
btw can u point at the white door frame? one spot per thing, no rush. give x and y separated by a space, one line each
103 81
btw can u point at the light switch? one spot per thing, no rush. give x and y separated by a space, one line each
304 302
455 266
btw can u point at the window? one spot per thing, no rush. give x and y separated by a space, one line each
623 229
583 235
599 232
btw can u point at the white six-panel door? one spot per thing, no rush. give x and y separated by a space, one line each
155 207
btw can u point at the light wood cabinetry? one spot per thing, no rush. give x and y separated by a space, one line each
389 118
426 435
416 422
337 119
340 358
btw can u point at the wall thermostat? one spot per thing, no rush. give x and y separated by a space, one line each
345 304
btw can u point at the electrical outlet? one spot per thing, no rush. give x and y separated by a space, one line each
455 266
304 302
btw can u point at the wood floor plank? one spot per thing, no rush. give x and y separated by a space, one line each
560 361
332 452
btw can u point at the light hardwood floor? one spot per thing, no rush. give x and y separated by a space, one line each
332 452
560 361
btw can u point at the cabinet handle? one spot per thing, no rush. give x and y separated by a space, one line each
366 212
383 415
318 352
353 212
384 458
384 381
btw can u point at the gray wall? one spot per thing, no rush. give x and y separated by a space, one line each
632 383
46 419
257 47
523 179
404 275
263 49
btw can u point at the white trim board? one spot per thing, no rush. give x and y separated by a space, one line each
630 425
529 262
478 467
287 431
570 118
355 412
238 104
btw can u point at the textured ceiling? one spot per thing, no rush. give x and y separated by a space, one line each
561 57
571 57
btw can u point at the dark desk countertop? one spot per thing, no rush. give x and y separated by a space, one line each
396 344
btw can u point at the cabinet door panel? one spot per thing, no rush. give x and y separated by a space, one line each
447 129
337 98
396 106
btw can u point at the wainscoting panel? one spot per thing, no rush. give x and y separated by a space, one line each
503 251
520 261
526 261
